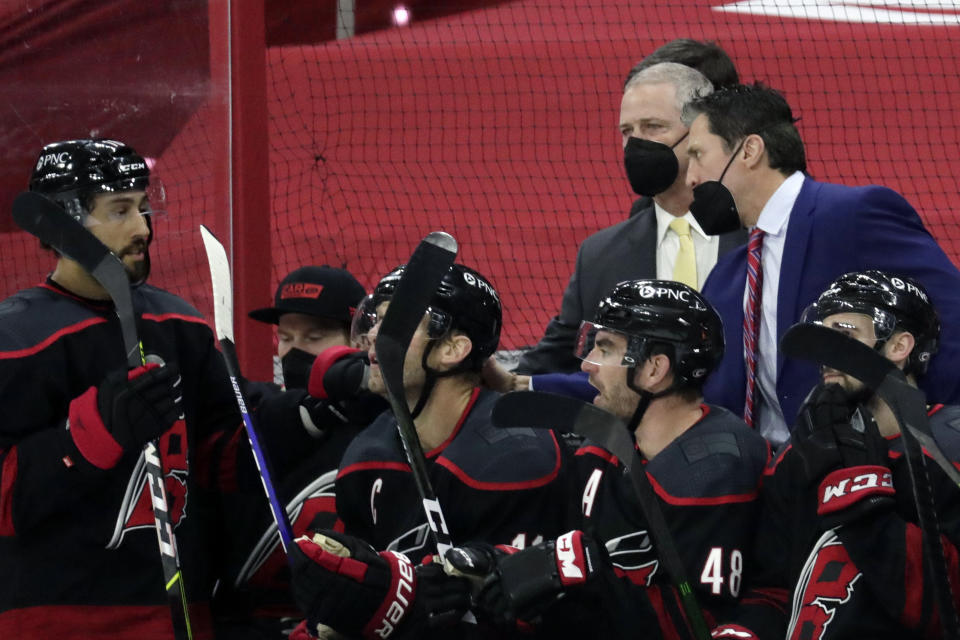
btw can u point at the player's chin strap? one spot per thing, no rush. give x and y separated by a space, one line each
646 397
432 375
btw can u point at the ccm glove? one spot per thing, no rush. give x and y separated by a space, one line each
833 433
339 377
126 411
523 584
342 583
864 484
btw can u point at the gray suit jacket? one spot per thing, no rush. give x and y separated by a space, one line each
624 251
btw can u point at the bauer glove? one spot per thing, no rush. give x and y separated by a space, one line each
341 582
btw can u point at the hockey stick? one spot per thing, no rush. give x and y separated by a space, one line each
223 319
540 410
49 222
423 274
830 348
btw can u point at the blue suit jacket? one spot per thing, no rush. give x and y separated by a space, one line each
835 229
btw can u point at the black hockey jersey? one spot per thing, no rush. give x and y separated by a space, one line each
78 549
707 481
866 578
494 485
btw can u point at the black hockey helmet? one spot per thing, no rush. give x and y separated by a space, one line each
660 312
73 171
894 303
465 300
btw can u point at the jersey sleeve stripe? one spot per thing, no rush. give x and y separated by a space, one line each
73 328
163 317
701 501
504 486
599 452
366 466
8 476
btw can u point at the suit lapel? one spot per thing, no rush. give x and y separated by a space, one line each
732 240
643 241
794 254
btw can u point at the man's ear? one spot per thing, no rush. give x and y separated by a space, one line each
452 350
753 150
651 375
899 347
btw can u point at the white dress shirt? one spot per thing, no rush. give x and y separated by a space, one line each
705 247
773 221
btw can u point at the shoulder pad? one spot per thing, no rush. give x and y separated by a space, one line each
150 299
945 426
31 317
720 457
378 444
487 458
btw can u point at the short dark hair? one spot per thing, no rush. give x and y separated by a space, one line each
733 113
706 57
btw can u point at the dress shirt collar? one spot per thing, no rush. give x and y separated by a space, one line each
773 218
664 218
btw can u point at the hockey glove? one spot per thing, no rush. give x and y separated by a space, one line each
864 484
830 434
341 582
339 373
339 376
523 584
126 411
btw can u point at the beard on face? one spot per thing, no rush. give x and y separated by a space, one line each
137 272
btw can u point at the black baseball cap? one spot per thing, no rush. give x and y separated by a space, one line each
326 292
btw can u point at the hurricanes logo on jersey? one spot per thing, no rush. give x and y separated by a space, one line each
136 509
827 583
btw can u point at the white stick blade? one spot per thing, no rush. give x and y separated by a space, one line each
222 288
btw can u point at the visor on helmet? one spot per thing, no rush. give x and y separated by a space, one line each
368 315
606 346
154 203
884 322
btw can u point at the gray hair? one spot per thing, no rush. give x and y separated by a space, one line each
688 82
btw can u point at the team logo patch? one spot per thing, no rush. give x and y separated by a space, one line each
300 290
136 509
828 583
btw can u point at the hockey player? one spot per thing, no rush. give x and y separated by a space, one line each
650 347
493 485
838 537
78 549
305 432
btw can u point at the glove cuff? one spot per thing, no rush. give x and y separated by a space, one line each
843 488
321 364
734 631
573 562
399 600
93 440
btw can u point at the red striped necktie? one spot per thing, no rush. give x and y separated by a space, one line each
751 319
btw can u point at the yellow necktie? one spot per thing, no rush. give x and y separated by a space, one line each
685 268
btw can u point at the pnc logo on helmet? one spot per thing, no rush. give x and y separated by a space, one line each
647 291
53 158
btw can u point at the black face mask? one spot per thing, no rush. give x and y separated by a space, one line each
296 365
713 206
651 166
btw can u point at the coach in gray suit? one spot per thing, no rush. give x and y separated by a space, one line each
660 239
